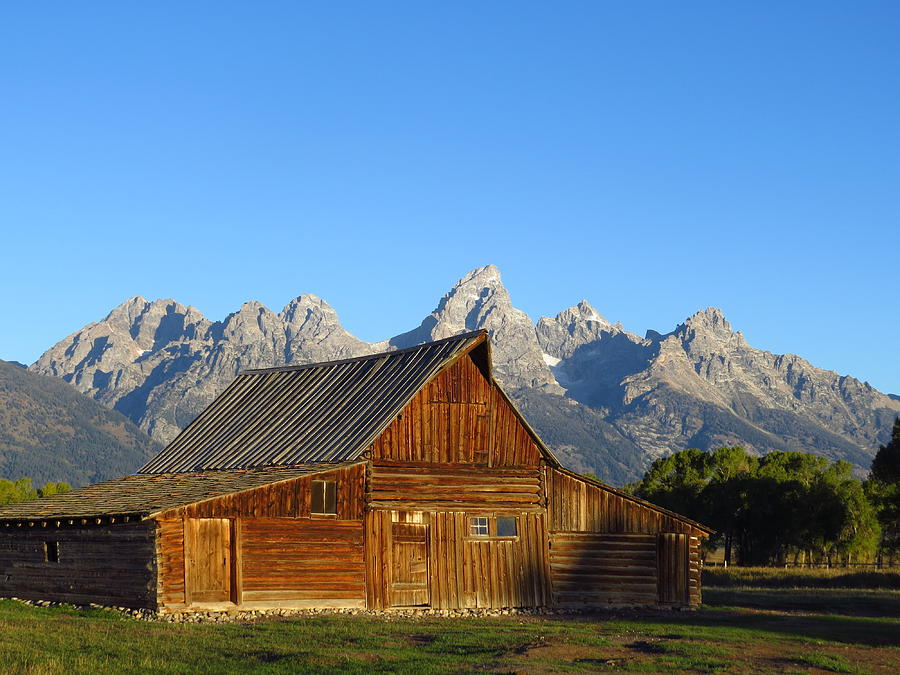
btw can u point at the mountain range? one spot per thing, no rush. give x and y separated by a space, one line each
606 400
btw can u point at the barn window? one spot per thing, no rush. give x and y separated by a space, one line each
478 527
51 551
506 527
324 498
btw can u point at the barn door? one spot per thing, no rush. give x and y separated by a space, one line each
672 566
409 568
208 559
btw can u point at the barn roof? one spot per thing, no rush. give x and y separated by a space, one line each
320 412
150 494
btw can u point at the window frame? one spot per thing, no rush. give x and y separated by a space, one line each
491 534
51 552
473 526
328 486
515 522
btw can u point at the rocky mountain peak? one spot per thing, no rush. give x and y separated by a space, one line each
707 328
581 314
711 318
314 332
308 312
131 308
479 300
571 329
486 276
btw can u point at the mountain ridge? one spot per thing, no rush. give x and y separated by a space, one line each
607 400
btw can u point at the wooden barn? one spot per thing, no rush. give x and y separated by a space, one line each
403 479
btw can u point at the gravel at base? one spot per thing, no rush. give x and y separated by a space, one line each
239 616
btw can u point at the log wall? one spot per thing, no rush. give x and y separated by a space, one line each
464 571
303 563
607 548
109 564
458 418
596 569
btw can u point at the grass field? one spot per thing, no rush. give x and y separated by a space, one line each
737 631
773 577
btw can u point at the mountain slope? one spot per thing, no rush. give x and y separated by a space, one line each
48 431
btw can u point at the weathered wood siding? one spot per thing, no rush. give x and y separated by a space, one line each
578 506
310 563
678 560
457 450
109 564
287 499
607 548
595 569
458 418
463 571
424 486
281 554
170 562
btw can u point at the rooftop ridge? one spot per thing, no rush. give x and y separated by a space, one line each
462 337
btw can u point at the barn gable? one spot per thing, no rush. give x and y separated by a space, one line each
326 412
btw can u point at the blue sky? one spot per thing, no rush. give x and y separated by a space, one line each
654 158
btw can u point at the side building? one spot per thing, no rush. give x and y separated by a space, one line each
403 479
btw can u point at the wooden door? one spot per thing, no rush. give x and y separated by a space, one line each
672 566
208 559
409 568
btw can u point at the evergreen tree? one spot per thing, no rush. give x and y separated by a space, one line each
886 465
883 489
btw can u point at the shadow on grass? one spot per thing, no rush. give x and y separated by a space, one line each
737 624
845 601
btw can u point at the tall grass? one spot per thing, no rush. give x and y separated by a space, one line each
776 577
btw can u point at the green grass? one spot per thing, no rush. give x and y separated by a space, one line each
778 577
851 602
834 664
721 637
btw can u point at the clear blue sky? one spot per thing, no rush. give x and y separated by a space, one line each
655 158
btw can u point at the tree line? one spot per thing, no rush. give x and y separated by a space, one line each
784 506
12 492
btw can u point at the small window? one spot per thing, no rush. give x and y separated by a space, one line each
506 527
324 497
478 527
51 551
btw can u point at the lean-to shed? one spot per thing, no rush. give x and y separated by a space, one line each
393 480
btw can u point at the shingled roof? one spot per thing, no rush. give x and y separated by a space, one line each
321 412
149 494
